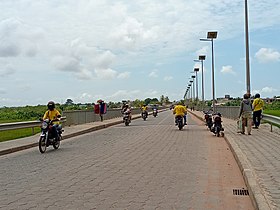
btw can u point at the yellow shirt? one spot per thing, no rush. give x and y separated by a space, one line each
144 108
52 115
258 104
180 110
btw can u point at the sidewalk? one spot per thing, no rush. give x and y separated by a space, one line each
258 157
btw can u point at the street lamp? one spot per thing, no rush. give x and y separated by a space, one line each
247 50
193 76
196 70
201 58
192 89
210 37
190 92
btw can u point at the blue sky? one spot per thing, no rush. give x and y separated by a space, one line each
115 50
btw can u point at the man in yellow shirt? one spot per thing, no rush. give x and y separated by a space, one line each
257 105
53 115
179 110
144 109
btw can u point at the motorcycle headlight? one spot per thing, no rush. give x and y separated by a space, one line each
44 125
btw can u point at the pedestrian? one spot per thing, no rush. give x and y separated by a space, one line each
258 105
245 113
100 109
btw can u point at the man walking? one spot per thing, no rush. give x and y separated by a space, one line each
258 105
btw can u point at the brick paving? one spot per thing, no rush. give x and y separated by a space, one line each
147 165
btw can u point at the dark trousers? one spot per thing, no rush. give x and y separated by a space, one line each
257 118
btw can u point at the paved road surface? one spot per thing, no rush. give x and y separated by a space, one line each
147 165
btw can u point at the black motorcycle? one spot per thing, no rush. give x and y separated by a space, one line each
179 122
155 111
47 137
217 128
144 115
126 119
208 120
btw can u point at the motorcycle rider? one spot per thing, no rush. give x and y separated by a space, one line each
155 108
144 109
53 115
179 110
125 108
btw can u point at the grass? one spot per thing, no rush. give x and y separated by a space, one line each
272 112
18 133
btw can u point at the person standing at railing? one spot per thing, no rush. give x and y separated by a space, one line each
258 105
100 109
246 113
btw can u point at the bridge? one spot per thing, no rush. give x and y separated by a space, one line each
147 165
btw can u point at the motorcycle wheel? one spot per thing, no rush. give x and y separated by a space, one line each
180 125
56 144
42 144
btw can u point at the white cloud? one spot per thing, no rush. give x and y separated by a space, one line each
84 74
203 51
266 91
66 63
227 70
106 74
19 38
154 74
167 78
124 75
265 55
125 94
6 69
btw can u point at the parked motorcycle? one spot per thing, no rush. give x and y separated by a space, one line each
208 120
47 138
144 115
126 119
155 111
180 122
217 128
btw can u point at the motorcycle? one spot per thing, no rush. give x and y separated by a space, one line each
47 138
155 112
126 119
217 128
144 115
179 121
208 120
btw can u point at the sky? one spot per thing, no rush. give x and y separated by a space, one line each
125 50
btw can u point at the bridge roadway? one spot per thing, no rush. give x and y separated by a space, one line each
147 165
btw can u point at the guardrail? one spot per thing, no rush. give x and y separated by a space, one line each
271 120
20 125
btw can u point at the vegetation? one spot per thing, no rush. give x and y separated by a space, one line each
16 134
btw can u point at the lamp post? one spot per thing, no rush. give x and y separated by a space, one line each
201 58
247 50
194 97
192 89
210 37
196 70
